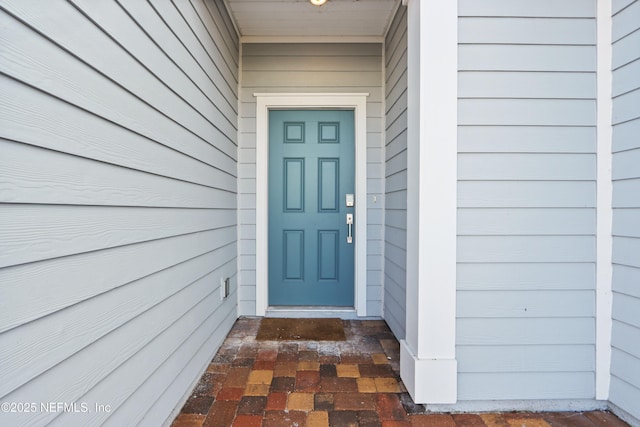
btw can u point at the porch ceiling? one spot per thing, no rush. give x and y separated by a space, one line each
299 20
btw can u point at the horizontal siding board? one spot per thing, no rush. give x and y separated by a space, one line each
526 139
119 149
35 232
526 198
626 280
48 341
625 107
37 119
183 21
396 182
197 27
618 5
521 84
226 25
508 57
247 292
626 338
527 30
395 218
394 303
311 79
395 276
526 249
38 62
625 395
395 172
286 63
30 292
395 324
625 366
540 358
397 198
626 78
626 193
625 309
43 176
167 352
161 409
220 30
625 363
207 79
626 21
395 35
505 221
526 276
626 50
565 194
625 164
396 62
526 386
396 80
101 52
524 8
118 25
396 54
397 164
526 167
397 129
396 106
396 146
556 112
624 135
525 304
396 251
525 331
116 348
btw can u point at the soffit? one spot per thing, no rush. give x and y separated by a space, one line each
299 19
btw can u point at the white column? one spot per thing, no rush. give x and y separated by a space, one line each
427 362
604 232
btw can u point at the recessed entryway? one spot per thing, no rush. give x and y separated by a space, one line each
298 120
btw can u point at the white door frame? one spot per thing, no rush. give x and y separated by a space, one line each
347 101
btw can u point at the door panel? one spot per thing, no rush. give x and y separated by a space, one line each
311 169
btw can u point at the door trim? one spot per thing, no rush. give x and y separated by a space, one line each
338 101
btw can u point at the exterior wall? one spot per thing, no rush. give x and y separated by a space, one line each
290 68
117 204
395 244
625 366
526 199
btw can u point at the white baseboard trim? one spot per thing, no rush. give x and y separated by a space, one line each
559 405
429 381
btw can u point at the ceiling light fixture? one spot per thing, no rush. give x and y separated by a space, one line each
317 2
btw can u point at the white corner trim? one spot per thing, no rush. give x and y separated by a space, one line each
429 350
268 101
439 388
604 207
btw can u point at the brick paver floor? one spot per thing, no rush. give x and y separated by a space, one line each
355 382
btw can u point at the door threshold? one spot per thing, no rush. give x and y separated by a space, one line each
345 313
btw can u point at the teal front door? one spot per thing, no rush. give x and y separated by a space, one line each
311 176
